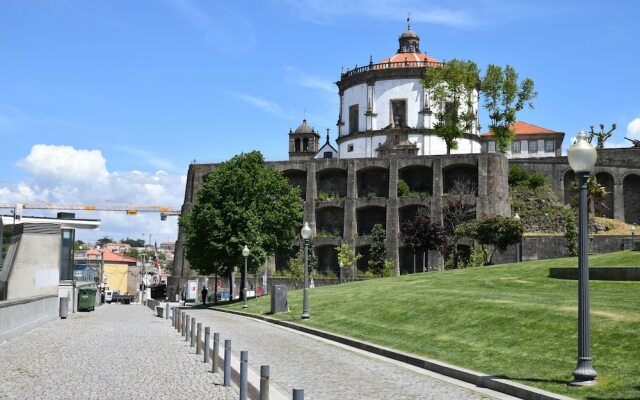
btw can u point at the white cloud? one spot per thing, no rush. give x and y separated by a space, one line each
309 81
65 175
633 129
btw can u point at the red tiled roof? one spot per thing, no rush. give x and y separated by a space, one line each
402 57
110 256
524 128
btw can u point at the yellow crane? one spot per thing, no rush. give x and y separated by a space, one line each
128 209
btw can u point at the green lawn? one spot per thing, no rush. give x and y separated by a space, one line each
509 320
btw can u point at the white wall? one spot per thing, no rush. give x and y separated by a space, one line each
355 95
365 147
397 89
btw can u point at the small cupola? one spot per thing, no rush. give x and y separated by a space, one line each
409 41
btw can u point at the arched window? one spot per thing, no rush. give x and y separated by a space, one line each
297 145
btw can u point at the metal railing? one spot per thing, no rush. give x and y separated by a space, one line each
389 65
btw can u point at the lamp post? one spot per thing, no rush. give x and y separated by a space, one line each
582 158
306 232
519 245
633 232
245 254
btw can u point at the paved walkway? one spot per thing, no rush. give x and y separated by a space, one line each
326 370
115 352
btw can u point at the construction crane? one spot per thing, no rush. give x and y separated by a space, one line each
128 209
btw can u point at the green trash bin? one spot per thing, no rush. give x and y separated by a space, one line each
87 298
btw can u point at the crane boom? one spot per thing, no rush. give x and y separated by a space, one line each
129 209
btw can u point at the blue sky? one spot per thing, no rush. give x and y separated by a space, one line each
109 101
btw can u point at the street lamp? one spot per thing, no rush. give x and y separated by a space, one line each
519 245
582 158
245 254
306 233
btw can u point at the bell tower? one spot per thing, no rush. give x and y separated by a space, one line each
303 142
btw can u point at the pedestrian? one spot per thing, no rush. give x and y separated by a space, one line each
204 293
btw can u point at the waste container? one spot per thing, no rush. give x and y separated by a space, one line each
87 298
64 307
279 298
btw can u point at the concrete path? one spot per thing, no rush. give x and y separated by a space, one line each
115 352
326 370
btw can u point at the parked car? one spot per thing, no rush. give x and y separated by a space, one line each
111 295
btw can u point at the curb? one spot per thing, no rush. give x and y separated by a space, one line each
476 378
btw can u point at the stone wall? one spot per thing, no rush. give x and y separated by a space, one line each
364 192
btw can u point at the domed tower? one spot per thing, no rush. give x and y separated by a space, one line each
303 142
385 108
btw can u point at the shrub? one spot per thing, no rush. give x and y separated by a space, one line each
537 180
388 269
403 189
518 176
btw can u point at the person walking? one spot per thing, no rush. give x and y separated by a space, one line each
204 292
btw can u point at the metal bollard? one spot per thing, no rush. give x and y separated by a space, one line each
207 336
182 322
186 327
244 365
166 316
216 351
264 382
173 318
298 394
227 362
192 332
198 337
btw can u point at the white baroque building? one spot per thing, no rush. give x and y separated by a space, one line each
385 108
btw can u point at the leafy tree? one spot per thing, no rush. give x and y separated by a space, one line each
347 256
496 231
422 234
403 188
105 240
132 252
504 97
296 263
596 194
452 88
133 242
244 202
378 250
77 245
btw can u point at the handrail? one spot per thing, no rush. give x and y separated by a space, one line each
389 65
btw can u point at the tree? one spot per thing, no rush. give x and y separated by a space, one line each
347 256
132 252
596 194
422 234
102 242
518 176
378 252
602 136
504 97
77 245
452 89
496 231
244 202
133 242
459 206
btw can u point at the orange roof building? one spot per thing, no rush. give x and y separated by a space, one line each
531 141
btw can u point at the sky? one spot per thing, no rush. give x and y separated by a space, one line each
109 101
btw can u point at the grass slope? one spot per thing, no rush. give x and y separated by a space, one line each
510 320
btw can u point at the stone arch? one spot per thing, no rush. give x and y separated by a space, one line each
606 180
631 191
332 182
569 192
327 259
419 178
373 180
363 262
408 212
330 220
368 216
297 178
455 174
405 258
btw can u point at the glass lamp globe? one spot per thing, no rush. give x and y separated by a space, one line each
306 231
582 156
245 251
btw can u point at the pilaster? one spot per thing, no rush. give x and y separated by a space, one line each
618 200
392 229
350 219
309 204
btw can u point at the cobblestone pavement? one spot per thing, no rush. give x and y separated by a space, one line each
116 352
326 370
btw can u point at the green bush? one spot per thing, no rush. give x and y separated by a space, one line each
537 180
518 176
403 189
